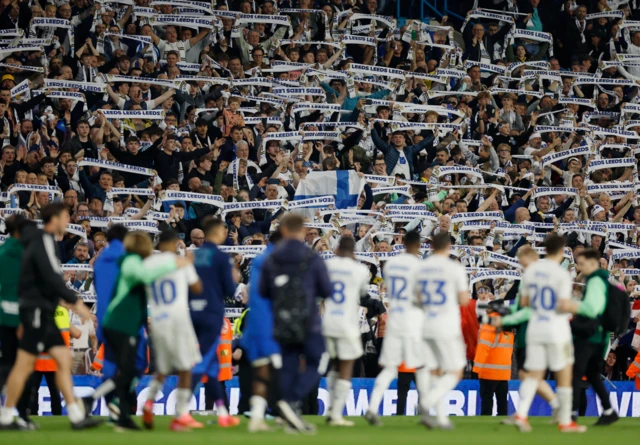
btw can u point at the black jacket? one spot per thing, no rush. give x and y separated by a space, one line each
41 285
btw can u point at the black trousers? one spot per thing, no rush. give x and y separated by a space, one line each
245 374
28 403
123 348
487 389
589 359
404 384
8 352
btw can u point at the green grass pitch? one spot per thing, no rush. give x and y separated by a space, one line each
396 430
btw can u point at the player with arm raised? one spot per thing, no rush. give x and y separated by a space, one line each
341 325
403 336
444 286
549 341
174 340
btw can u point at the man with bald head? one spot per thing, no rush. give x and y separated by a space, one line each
197 237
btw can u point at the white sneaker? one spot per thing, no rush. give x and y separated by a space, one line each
258 426
511 420
341 422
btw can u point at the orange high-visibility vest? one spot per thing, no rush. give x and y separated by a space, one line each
403 368
46 363
493 354
98 361
225 353
634 371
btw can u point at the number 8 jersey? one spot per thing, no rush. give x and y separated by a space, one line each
544 283
350 281
440 280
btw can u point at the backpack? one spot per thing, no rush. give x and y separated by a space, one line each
290 308
617 312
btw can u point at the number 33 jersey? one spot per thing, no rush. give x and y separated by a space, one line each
544 283
405 314
168 296
350 281
440 279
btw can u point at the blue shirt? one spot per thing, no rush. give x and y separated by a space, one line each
214 268
260 320
106 270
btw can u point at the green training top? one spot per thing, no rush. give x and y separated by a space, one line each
10 260
519 318
594 302
128 308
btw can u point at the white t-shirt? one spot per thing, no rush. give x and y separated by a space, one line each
402 167
545 282
182 46
440 279
350 281
405 317
168 296
86 328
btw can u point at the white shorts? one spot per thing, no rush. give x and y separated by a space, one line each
398 350
552 356
446 354
344 348
175 346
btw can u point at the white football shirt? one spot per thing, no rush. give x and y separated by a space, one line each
440 279
545 282
405 316
350 281
168 296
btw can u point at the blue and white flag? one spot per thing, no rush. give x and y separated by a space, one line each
344 185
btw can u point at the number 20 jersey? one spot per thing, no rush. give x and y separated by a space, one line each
350 281
405 313
440 279
544 283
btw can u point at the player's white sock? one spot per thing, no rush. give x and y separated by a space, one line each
105 388
342 388
565 397
75 413
382 383
447 383
153 388
183 397
423 383
6 415
221 409
258 407
528 389
332 377
441 412
554 403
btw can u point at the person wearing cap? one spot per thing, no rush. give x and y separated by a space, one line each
535 145
398 156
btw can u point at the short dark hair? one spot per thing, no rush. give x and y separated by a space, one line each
412 238
52 210
589 254
441 241
275 237
346 244
168 236
554 243
292 222
210 224
117 232
47 160
15 223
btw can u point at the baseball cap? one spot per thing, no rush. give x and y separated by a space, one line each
8 77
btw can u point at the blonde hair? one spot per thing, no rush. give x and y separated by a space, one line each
138 243
526 251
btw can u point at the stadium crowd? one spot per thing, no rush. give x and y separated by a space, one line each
520 121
